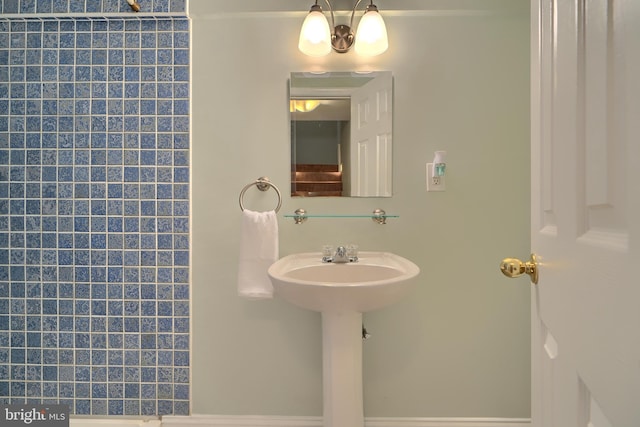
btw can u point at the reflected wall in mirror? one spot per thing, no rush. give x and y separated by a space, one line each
341 133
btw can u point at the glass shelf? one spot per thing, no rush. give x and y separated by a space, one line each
339 216
379 216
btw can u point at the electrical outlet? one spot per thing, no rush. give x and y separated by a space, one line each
434 183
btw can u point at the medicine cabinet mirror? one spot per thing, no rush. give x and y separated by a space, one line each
341 133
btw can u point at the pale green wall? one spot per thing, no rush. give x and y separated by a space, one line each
459 345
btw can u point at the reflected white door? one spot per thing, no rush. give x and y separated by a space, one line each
586 212
371 124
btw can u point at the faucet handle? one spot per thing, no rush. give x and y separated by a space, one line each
327 250
352 250
327 253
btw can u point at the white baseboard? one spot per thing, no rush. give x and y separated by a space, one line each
240 421
273 421
448 422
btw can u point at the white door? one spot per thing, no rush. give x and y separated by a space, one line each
371 128
585 213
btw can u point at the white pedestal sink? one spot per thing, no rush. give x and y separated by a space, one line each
342 292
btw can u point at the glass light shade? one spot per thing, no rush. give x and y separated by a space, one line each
303 105
315 35
371 36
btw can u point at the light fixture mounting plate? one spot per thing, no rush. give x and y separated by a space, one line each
342 38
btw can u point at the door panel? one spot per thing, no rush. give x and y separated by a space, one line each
371 125
585 213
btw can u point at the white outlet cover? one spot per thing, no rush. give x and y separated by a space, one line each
431 185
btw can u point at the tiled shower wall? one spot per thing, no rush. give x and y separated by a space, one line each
94 205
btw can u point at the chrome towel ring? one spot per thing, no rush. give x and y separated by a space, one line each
263 183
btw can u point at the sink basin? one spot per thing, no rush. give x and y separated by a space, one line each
375 281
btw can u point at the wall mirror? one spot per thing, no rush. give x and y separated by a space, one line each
341 133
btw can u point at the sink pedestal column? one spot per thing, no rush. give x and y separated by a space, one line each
342 369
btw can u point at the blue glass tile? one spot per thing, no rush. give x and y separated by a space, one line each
98 341
116 40
148 225
115 24
98 274
34 357
116 407
164 56
11 6
132 407
99 308
66 390
164 375
99 373
17 39
82 406
148 258
147 208
181 56
149 26
164 208
164 191
182 325
115 73
76 7
131 90
165 358
131 324
181 107
130 157
49 373
44 6
82 357
148 407
83 374
65 339
181 342
82 341
165 325
99 390
181 90
148 275
181 392
99 90
161 6
147 191
99 40
115 225
164 157
148 141
131 341
148 241
147 57
148 107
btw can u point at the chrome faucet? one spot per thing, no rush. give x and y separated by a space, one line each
341 256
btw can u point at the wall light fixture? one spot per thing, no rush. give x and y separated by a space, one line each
303 105
317 38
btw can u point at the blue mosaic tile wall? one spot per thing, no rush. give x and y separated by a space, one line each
89 6
94 208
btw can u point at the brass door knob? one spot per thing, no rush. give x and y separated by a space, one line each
513 267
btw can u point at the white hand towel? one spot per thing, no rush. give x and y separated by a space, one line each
258 250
